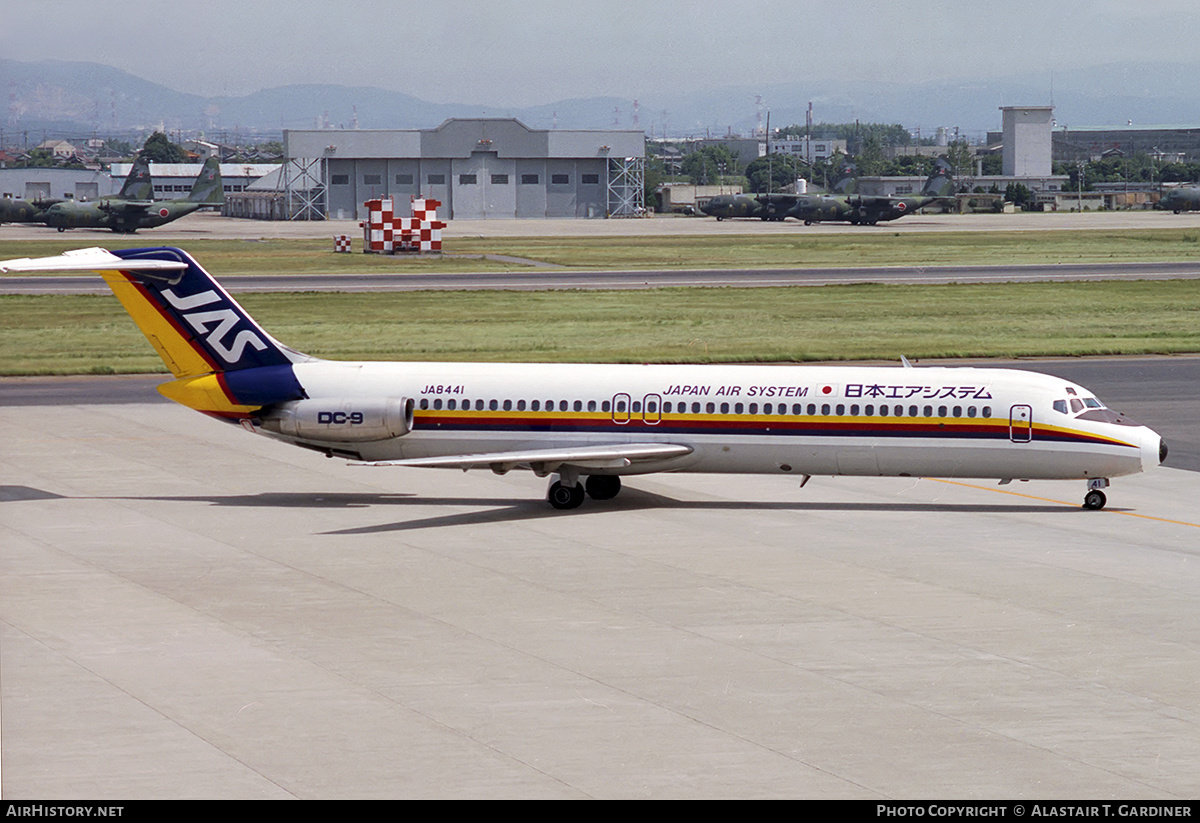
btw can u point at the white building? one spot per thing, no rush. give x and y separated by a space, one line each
1027 144
808 150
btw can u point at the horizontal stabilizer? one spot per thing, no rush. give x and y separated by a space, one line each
615 456
94 259
195 325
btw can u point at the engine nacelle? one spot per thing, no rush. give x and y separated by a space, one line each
343 420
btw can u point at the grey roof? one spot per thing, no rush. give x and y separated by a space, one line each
508 137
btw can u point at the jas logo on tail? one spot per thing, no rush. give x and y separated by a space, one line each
215 325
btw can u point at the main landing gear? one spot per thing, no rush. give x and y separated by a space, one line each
1095 499
602 486
564 494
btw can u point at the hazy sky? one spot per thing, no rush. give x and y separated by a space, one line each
537 51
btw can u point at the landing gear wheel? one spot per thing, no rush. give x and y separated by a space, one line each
565 497
602 486
1094 499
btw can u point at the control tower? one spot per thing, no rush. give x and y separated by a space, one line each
1027 142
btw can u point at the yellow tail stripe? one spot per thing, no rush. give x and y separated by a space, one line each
178 352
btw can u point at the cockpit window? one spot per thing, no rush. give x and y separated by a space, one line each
1077 404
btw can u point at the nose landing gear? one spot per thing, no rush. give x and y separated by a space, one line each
1095 498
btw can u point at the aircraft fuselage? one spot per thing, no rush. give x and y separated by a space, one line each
21 211
1181 199
115 215
814 208
733 206
799 420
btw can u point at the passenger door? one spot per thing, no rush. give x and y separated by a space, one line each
1020 424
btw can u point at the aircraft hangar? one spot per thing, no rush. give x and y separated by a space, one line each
478 168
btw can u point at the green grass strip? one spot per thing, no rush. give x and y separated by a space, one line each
754 249
92 334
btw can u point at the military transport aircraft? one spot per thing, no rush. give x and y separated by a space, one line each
137 186
758 206
129 215
771 206
1180 199
871 209
15 210
590 425
846 208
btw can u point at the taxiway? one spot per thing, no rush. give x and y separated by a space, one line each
213 226
189 611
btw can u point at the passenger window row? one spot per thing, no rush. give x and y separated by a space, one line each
454 404
624 407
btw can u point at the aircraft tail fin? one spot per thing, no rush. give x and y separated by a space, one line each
208 188
224 363
193 323
138 184
941 182
847 179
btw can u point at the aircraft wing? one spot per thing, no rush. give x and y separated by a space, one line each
94 259
127 206
876 200
608 456
779 199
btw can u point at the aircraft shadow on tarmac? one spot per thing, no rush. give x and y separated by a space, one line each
499 510
537 511
11 493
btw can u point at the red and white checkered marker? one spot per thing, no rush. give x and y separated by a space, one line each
386 233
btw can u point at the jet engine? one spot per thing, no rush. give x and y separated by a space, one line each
342 420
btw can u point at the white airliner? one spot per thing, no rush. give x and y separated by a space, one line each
589 425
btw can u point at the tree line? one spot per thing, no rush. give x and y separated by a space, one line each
157 148
867 145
